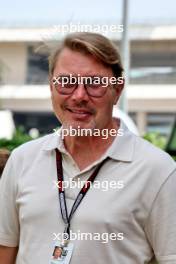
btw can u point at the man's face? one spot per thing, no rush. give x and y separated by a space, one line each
79 108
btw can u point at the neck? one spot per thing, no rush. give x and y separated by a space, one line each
87 149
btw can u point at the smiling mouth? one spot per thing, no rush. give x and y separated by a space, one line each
79 112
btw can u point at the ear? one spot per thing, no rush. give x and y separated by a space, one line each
118 90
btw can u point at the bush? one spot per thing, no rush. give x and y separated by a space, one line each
18 138
7 145
156 139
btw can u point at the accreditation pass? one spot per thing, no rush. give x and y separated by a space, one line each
62 253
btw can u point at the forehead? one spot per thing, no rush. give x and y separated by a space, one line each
58 249
74 62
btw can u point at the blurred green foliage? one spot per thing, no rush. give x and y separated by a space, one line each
156 139
19 137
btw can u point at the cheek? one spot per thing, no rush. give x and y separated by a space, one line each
104 108
103 113
57 106
57 101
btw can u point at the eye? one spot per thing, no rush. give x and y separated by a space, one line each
56 80
64 79
68 85
94 82
68 82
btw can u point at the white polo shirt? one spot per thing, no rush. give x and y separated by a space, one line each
143 210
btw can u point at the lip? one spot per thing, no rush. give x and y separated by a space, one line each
80 113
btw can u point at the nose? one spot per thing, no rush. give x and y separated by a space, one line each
80 93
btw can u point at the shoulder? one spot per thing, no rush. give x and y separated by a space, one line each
33 148
149 152
153 159
152 170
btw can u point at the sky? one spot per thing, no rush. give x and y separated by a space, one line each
40 12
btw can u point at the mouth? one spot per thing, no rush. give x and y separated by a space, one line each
80 113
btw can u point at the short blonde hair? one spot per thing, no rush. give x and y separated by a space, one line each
100 47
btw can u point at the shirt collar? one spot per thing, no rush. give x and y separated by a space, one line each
54 141
122 148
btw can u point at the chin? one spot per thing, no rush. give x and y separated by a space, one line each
81 125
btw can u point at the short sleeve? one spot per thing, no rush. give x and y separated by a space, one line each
9 224
161 224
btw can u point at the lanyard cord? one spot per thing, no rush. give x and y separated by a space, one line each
81 194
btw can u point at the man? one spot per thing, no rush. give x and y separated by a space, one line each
131 222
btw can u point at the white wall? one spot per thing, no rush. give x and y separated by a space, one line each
13 61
